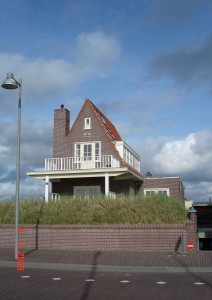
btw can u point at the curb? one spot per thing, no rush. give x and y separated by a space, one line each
107 268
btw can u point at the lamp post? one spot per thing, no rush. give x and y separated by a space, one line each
11 84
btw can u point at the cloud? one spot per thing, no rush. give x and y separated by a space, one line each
190 65
197 190
36 145
189 157
180 12
96 53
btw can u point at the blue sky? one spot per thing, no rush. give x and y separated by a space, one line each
146 64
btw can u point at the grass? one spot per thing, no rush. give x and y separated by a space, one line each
146 210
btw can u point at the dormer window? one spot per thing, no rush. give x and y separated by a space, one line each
87 123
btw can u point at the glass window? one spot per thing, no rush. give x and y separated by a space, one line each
161 191
97 150
87 124
88 151
78 150
83 192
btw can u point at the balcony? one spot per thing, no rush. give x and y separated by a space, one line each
81 163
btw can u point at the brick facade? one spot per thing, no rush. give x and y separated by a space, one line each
174 184
142 237
65 139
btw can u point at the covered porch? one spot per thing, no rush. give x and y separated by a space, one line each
109 182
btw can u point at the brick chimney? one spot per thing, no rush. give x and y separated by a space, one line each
61 129
148 175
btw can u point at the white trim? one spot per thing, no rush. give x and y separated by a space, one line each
47 189
156 190
87 123
107 185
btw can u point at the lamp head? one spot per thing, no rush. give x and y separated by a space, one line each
10 83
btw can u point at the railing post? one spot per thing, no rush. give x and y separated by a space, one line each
106 185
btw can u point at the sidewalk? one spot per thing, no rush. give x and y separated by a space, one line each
111 261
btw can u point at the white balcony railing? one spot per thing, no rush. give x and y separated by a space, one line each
80 163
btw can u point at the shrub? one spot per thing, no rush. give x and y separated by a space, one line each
156 209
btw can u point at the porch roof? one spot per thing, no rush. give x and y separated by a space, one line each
120 173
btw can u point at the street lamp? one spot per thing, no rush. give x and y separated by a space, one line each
11 84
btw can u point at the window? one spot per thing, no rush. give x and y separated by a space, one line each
87 123
87 151
83 192
153 191
97 151
87 155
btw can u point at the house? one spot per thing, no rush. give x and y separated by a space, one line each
169 186
90 158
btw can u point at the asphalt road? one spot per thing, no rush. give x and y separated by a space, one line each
83 285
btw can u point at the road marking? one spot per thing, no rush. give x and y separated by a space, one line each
161 282
26 276
199 283
124 281
57 278
89 280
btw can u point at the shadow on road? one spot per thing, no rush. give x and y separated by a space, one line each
197 276
92 274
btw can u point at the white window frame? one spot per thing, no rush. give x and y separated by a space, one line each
156 190
87 123
79 149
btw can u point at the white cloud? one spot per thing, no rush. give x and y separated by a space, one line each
189 158
185 155
96 54
177 156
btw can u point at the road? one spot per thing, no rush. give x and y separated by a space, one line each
83 285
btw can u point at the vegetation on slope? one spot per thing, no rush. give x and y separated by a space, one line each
146 210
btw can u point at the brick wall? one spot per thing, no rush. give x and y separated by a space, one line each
61 129
102 237
65 139
174 184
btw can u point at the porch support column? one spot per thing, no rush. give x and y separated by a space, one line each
106 185
47 189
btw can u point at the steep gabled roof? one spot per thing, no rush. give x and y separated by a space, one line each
108 127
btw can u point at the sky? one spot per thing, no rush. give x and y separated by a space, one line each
146 64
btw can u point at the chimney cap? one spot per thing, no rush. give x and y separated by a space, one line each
149 174
62 106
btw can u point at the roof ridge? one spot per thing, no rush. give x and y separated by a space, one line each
115 132
98 112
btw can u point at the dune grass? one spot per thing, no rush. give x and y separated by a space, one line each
146 210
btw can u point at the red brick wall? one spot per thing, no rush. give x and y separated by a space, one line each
174 184
101 237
